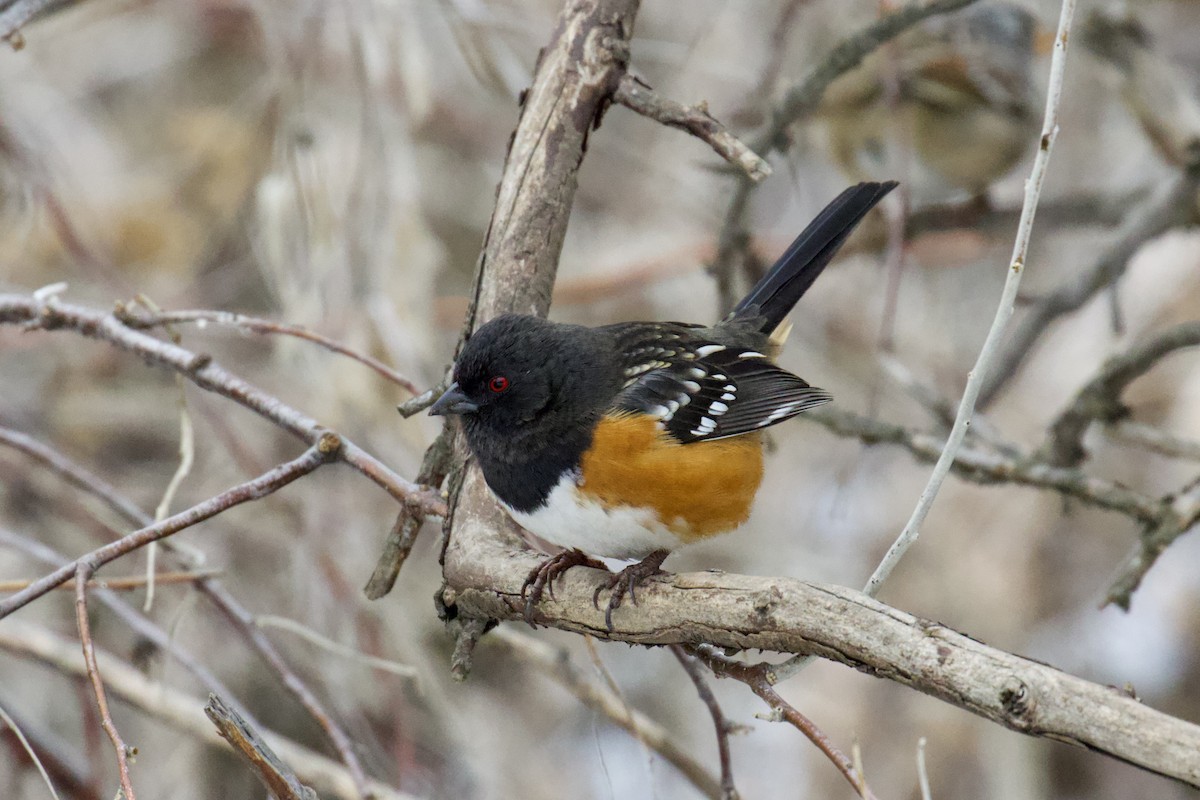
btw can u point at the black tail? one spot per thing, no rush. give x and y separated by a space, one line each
786 282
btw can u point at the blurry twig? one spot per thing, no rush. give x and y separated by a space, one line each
125 584
142 320
83 573
29 751
1181 515
279 779
1151 86
16 14
255 489
400 539
214 590
205 373
922 774
1173 206
692 667
758 677
1004 310
1100 399
635 94
325 643
1155 439
798 102
137 621
555 663
179 710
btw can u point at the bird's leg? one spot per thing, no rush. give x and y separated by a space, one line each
542 577
626 580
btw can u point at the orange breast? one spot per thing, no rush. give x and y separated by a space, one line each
698 489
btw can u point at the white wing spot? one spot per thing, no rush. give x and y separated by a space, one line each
780 413
729 387
720 377
728 396
691 386
751 354
717 408
696 372
660 412
709 349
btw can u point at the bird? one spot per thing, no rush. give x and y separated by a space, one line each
631 440
962 96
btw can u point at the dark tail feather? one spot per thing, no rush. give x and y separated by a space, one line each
787 281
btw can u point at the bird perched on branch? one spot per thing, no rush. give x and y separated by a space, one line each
631 440
957 90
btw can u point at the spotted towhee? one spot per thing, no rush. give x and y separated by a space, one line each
631 440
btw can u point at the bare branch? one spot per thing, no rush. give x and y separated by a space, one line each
83 572
240 617
16 14
179 710
256 489
1100 399
1183 514
692 667
279 779
1154 439
842 625
143 320
1173 206
555 663
758 678
30 753
1004 311
637 95
199 368
798 102
124 584
983 466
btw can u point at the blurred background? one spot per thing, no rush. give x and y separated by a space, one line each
333 165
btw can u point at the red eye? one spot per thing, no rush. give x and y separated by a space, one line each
498 384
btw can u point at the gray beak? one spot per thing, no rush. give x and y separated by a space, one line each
453 402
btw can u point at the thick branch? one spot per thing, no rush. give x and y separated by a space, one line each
277 776
839 624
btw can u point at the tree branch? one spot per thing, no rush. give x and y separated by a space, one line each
845 626
277 776
1100 399
637 95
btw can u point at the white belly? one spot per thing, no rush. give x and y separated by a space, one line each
573 521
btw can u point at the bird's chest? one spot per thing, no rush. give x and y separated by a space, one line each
636 491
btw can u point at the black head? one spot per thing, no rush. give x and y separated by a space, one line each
529 393
519 372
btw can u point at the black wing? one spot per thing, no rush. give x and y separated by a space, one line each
702 390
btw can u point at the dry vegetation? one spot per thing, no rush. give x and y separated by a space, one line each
332 167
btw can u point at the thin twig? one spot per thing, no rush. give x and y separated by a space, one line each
922 773
1154 439
405 671
1004 311
1100 399
255 489
187 456
692 667
1172 206
758 678
1182 515
555 663
637 95
141 320
51 314
241 618
277 776
802 100
83 573
179 710
124 584
29 751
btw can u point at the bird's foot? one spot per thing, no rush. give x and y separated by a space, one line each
541 578
626 581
